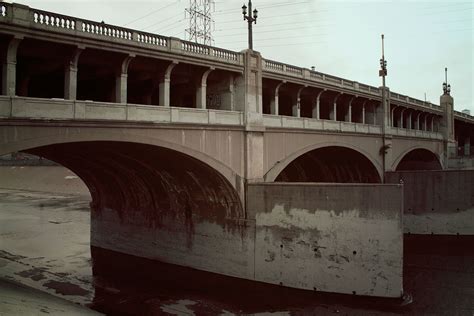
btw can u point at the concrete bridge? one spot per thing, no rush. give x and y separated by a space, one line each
181 145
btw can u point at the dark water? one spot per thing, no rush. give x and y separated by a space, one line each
45 245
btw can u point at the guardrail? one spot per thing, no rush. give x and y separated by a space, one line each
315 124
25 16
59 109
304 73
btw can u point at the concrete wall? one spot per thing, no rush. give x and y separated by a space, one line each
332 238
438 202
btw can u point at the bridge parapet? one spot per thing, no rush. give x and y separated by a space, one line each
304 73
58 109
33 18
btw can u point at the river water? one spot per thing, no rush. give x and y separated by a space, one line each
44 244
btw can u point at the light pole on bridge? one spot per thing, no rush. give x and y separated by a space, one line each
250 19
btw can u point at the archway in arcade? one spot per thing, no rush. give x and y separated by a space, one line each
419 159
333 164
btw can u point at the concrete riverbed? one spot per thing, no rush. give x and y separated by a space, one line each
45 251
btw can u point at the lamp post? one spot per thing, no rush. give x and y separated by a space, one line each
250 19
446 86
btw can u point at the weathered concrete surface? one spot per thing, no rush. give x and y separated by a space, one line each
438 202
333 238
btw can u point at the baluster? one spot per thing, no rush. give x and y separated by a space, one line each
35 16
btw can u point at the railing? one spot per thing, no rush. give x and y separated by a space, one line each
3 10
315 124
59 109
294 71
25 16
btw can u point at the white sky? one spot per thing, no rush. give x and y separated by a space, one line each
341 38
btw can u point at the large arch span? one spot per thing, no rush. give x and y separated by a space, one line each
150 182
334 164
418 159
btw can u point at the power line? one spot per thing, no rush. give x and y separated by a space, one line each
148 14
278 38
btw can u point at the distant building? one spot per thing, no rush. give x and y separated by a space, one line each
466 111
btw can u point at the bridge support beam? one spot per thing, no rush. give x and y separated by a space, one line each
201 89
165 82
333 113
70 75
296 108
274 104
121 80
409 120
9 67
316 106
363 111
348 116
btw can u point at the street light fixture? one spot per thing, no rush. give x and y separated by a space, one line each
250 19
446 86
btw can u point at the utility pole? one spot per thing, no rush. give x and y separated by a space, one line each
200 21
387 140
250 19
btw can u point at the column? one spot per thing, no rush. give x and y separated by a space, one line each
201 89
348 116
374 107
296 108
409 119
467 146
165 82
418 121
402 120
274 105
70 74
363 112
316 108
9 67
121 80
333 114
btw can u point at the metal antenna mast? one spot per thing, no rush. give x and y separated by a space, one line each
200 21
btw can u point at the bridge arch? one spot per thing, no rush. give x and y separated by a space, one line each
330 148
74 135
417 158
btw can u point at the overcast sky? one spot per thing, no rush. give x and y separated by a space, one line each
341 38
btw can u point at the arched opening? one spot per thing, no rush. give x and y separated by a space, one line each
137 181
419 159
330 164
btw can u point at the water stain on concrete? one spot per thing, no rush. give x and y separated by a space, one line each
65 288
36 274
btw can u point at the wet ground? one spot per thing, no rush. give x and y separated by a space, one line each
44 244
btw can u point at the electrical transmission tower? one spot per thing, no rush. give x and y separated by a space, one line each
201 23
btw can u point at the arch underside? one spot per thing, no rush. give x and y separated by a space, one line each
147 184
419 159
330 164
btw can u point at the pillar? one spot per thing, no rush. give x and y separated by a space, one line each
164 86
417 126
274 104
333 114
363 112
9 67
296 108
121 80
348 116
402 120
201 89
70 74
467 146
409 120
316 108
374 115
